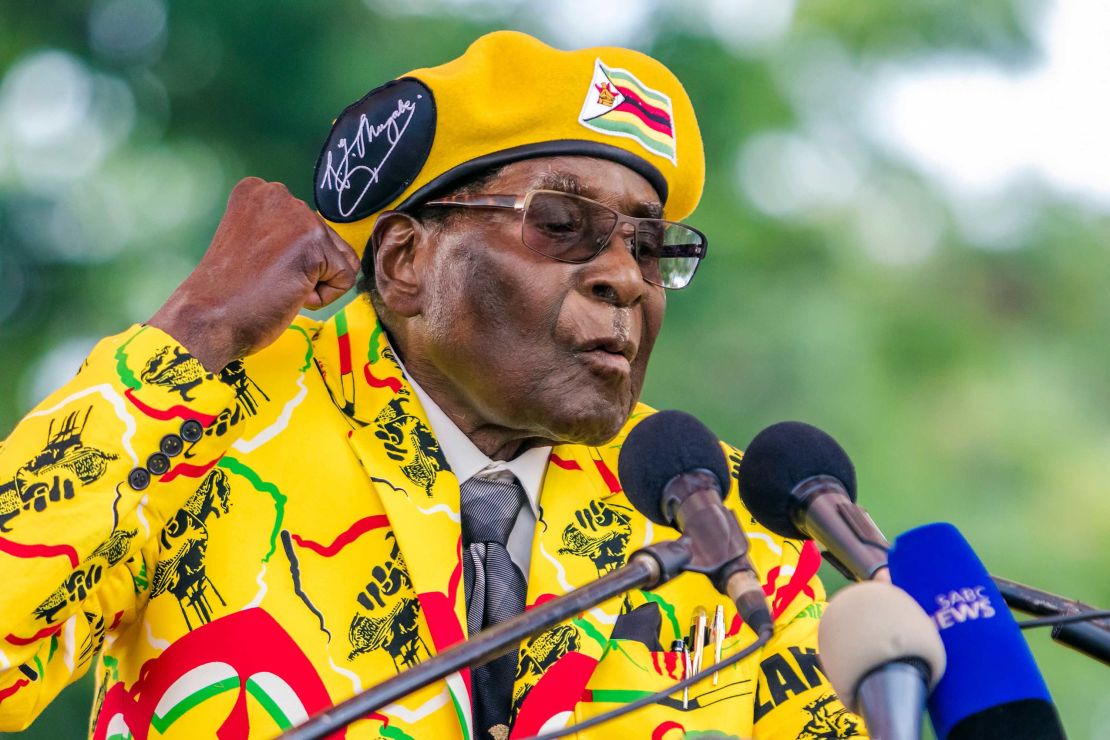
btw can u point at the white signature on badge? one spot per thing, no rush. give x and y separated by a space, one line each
338 176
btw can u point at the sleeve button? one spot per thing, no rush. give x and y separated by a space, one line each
157 463
138 479
192 431
171 445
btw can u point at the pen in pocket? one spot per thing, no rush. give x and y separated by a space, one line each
717 637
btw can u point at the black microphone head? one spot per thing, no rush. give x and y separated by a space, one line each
779 458
666 444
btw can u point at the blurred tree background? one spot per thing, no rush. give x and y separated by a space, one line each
907 203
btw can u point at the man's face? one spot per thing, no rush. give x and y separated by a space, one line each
552 350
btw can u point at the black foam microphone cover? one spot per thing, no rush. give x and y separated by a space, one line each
662 446
778 459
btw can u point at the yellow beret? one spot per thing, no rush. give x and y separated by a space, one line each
509 97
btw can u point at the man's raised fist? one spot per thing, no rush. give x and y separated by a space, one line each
271 255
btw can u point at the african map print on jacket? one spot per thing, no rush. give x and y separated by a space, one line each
232 553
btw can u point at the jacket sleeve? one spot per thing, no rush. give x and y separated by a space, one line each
88 479
793 697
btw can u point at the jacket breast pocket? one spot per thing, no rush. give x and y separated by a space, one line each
636 664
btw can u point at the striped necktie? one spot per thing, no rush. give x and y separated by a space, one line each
495 592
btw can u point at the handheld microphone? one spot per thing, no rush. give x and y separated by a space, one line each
674 472
992 687
799 483
882 655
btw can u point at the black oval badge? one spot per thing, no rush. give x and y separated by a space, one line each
375 150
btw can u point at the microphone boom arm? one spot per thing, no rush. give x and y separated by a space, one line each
648 567
1090 638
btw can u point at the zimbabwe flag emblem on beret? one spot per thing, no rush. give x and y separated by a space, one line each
619 104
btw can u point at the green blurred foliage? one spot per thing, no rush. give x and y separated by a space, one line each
969 384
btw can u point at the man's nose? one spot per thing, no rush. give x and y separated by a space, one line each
614 275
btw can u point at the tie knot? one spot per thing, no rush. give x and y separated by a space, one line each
489 509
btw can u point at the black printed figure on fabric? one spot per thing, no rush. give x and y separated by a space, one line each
180 570
175 369
410 442
245 406
80 582
600 532
540 653
828 720
734 460
90 646
393 618
236 376
49 476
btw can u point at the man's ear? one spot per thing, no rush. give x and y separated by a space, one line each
395 241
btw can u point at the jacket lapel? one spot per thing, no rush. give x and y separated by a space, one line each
586 529
402 458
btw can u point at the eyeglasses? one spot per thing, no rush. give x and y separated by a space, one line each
571 228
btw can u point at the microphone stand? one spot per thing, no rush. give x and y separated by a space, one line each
646 568
1090 638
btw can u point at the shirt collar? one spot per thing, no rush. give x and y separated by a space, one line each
467 461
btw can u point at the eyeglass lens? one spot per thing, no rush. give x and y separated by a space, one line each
573 229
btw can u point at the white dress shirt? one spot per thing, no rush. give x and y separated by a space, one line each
467 462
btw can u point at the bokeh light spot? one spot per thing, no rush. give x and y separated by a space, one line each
128 30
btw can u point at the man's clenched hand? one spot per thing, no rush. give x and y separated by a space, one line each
271 255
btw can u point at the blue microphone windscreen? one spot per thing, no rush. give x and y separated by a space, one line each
992 681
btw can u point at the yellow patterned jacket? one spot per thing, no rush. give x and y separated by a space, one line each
233 553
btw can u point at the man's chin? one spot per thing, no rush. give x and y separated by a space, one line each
593 426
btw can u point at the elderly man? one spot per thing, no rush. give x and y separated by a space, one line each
241 516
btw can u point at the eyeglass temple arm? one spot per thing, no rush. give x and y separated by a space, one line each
515 202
